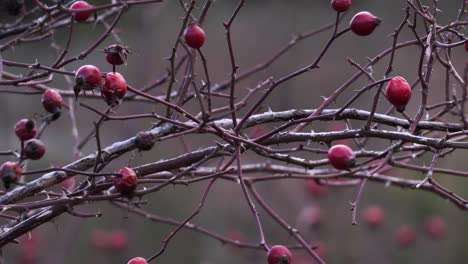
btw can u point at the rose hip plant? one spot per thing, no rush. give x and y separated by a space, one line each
398 128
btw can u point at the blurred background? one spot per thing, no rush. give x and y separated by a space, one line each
261 28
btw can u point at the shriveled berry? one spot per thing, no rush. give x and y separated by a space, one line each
10 172
25 129
116 54
398 92
279 255
114 88
341 157
52 101
374 216
341 5
144 140
87 78
137 260
194 36
364 23
81 5
34 149
435 227
405 236
126 182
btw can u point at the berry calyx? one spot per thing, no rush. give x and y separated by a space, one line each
364 23
116 54
435 227
52 101
126 182
87 78
25 129
341 5
34 149
341 157
10 172
279 255
137 260
405 236
114 88
374 216
81 5
194 36
398 92
144 141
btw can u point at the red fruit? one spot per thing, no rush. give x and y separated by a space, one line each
364 23
114 88
80 5
87 77
25 129
341 157
29 249
311 216
137 260
315 189
279 255
398 92
52 101
34 149
374 216
435 227
405 236
100 239
10 172
194 36
127 182
116 54
341 5
118 240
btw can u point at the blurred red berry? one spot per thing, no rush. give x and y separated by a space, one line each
81 5
315 189
364 23
87 78
10 172
194 36
374 216
34 149
29 249
69 184
310 216
100 239
398 92
127 182
137 260
279 255
114 88
52 101
435 227
118 240
341 5
405 236
25 129
341 157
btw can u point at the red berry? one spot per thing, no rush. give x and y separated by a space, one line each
405 236
118 240
341 5
25 129
80 5
116 54
10 172
87 77
374 216
114 88
315 189
52 101
137 260
29 250
34 149
279 255
364 23
435 227
194 36
341 157
398 92
100 239
127 182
